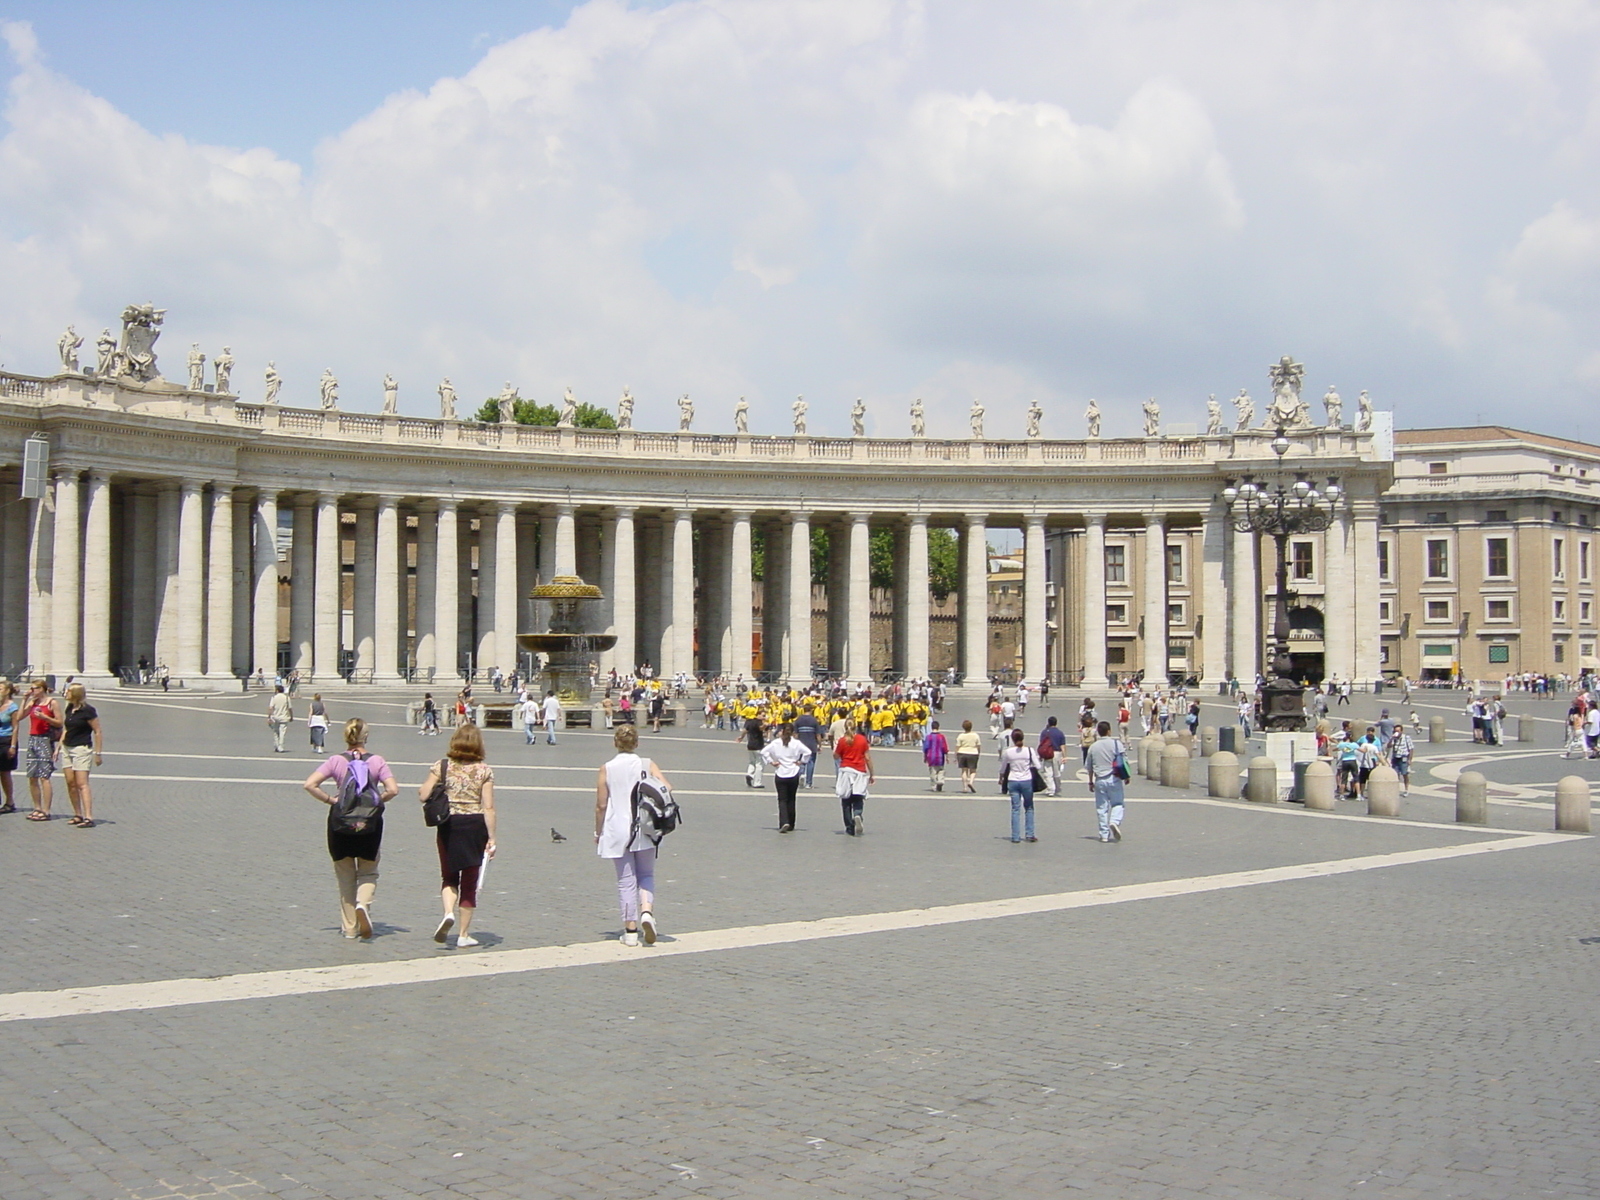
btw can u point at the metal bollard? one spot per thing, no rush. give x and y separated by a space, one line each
1261 786
1524 729
1228 738
1383 792
1436 729
1222 775
1572 804
1208 740
1175 766
1472 799
1319 785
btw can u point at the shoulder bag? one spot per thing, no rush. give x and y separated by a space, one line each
436 804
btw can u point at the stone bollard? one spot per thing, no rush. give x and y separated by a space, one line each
1472 799
1261 787
1222 775
1186 740
1319 785
1572 804
1149 761
1524 729
1208 740
1175 766
1436 729
1383 792
1171 735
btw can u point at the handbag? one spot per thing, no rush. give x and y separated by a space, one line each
1119 765
436 804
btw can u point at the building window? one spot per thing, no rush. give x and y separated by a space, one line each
1438 610
1174 564
1438 468
1437 518
1385 611
1558 557
1176 615
1383 560
1586 612
1383 655
1586 649
1559 612
1116 656
1499 610
1497 516
1116 564
1557 516
1499 556
1302 560
1437 651
1583 561
1499 654
1559 652
1438 558
1116 614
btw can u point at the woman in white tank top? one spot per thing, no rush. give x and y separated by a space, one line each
613 823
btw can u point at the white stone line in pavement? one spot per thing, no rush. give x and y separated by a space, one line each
172 993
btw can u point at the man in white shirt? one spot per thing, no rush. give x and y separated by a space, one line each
530 712
552 715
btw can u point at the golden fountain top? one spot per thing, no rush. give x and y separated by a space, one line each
566 587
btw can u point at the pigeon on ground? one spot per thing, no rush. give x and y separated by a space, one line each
555 836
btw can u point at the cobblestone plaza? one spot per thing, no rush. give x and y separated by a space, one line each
1237 1000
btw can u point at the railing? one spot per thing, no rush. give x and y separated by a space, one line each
598 441
1057 451
299 420
1005 451
247 414
888 451
655 443
711 444
835 448
414 430
367 427
771 448
538 438
1179 450
1121 450
948 451
481 435
17 385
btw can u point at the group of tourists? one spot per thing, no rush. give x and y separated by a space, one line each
42 732
1356 752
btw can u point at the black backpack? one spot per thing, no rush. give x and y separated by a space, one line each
360 802
655 812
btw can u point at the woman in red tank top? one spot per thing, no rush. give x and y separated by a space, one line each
41 712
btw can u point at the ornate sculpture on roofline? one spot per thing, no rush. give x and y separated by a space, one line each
507 401
105 349
1246 408
274 382
1092 416
741 416
975 418
685 413
858 419
569 410
1286 409
447 400
197 368
223 366
136 353
919 420
391 394
800 408
1213 417
1035 416
1152 418
1334 407
625 410
1363 413
328 389
67 347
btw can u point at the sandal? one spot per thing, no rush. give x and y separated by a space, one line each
86 823
8 808
36 815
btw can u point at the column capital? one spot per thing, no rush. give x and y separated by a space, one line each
741 514
977 520
329 497
797 515
1034 520
505 508
681 512
387 500
917 518
1094 518
565 508
191 487
860 518
446 503
622 512
1154 520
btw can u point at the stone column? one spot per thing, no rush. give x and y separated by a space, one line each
488 647
67 578
303 582
264 656
918 603
1245 610
682 641
219 585
1034 604
619 586
1364 560
427 585
41 551
505 585
97 577
446 594
786 629
244 509
166 589
714 553
1214 595
566 562
547 547
364 593
14 586
741 600
191 581
1155 599
975 602
388 603
328 604
1338 600
858 638
654 601
1093 613
142 567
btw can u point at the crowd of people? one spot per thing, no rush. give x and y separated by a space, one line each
43 732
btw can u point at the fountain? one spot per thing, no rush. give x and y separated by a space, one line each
568 650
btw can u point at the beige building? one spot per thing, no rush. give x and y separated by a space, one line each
1487 554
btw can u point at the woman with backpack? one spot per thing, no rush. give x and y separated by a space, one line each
466 840
1018 762
618 837
360 779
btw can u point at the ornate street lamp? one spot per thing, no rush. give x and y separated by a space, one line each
1282 510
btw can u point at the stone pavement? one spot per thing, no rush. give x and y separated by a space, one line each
1412 1030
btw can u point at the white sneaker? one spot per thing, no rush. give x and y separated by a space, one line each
647 927
445 926
630 937
466 941
1116 833
363 922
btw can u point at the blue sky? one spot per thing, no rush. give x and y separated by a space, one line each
1017 200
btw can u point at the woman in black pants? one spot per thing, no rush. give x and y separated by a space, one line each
787 756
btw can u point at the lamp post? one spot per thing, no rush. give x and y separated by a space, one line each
1281 510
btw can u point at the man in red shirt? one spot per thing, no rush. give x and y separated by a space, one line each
852 756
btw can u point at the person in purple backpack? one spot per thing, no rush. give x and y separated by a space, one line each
354 854
935 752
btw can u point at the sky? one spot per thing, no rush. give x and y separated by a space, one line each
1005 201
